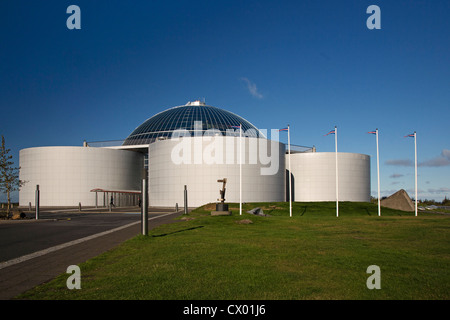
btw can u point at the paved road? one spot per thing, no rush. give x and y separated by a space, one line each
33 252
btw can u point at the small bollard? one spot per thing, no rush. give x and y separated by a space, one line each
79 206
185 200
144 210
29 206
36 199
176 207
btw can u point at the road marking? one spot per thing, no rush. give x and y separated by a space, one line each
70 243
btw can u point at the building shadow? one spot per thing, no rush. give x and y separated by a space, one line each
292 195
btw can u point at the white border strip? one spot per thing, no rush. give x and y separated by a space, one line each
68 244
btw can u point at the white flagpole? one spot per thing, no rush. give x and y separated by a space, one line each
415 152
290 174
240 169
378 176
337 182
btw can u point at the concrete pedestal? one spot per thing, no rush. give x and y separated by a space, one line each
221 210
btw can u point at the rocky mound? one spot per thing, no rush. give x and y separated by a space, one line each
399 201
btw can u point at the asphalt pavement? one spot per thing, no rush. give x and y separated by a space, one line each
35 251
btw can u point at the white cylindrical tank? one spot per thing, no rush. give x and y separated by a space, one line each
66 175
198 162
314 176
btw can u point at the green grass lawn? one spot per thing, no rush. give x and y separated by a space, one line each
312 255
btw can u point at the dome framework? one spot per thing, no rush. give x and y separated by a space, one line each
190 117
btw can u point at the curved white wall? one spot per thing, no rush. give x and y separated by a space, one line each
198 162
66 175
314 176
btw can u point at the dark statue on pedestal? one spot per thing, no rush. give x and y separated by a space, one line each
221 207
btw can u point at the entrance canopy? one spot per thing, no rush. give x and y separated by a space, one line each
118 198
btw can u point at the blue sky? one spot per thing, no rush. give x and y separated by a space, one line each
311 64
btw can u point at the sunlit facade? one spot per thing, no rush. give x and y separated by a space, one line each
190 146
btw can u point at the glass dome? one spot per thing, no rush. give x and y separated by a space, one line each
194 117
